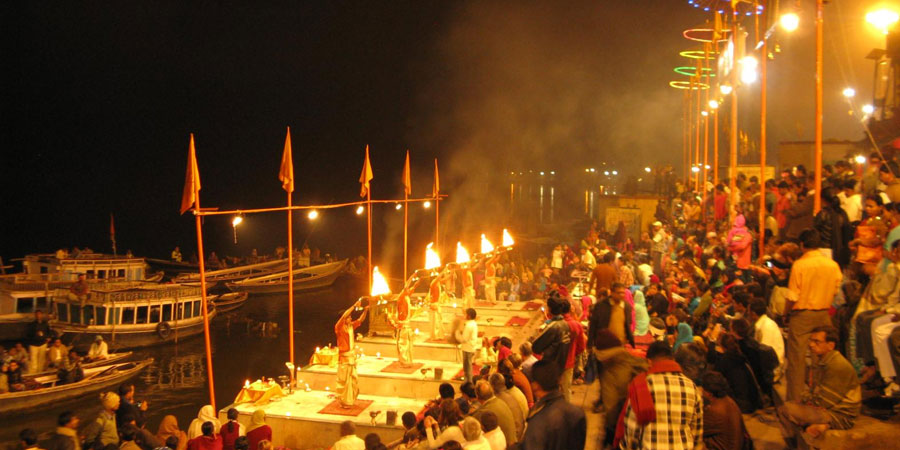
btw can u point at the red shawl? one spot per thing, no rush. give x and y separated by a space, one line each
640 399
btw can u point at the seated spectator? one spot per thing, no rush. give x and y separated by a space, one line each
208 440
258 430
206 414
446 427
498 384
513 370
66 435
726 358
762 359
29 439
830 399
475 440
723 425
766 331
372 441
128 436
348 440
490 402
230 431
692 359
528 358
492 432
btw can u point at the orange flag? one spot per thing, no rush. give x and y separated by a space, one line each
436 187
366 175
286 173
191 180
407 182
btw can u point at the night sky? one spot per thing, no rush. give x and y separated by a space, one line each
99 99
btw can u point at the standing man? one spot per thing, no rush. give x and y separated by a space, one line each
832 396
469 342
613 313
490 279
553 344
66 436
659 245
345 331
39 333
667 410
400 321
604 275
553 422
814 281
435 291
468 287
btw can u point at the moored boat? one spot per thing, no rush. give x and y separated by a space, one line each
307 278
229 301
111 359
138 316
22 294
234 273
95 379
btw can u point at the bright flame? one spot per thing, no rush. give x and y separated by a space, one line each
247 383
313 215
379 284
432 260
462 255
789 22
359 210
882 19
507 239
486 246
236 221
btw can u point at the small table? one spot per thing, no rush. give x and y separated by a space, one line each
326 357
259 393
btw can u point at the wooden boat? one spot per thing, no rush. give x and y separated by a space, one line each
315 277
112 358
138 316
234 273
95 379
172 268
21 294
229 301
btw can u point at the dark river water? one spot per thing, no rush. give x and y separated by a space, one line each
245 345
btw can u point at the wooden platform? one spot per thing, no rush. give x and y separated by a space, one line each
372 381
296 422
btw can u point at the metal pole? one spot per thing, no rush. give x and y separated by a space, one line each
762 140
209 365
705 138
290 279
820 26
732 163
697 132
369 233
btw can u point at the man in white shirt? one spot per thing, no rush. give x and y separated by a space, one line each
767 331
468 342
99 349
349 440
492 432
851 201
475 440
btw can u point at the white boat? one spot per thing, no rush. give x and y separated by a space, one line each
315 277
234 273
137 316
24 293
228 301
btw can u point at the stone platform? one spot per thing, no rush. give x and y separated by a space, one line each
434 351
372 381
297 423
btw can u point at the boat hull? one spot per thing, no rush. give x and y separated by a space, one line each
316 281
14 402
80 338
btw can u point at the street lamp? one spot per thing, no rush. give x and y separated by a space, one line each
860 159
647 169
359 210
313 215
868 109
725 89
882 19
748 69
849 92
426 205
713 104
234 223
789 21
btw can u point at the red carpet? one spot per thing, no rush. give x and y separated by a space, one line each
436 341
516 321
484 304
336 408
395 367
475 369
532 306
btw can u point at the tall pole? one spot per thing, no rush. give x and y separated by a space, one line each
690 133
209 366
685 145
290 234
762 139
405 227
716 147
697 133
820 27
705 136
369 233
732 162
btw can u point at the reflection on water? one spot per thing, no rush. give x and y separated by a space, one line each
247 344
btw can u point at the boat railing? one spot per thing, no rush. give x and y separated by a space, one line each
135 293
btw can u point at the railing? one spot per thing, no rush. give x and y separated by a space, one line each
131 295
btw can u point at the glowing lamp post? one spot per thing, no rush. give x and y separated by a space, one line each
882 19
234 223
789 21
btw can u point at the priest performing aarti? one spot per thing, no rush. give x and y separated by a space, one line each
434 300
345 331
400 320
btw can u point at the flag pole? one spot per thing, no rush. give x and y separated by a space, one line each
369 233
406 189
194 184
437 208
290 242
